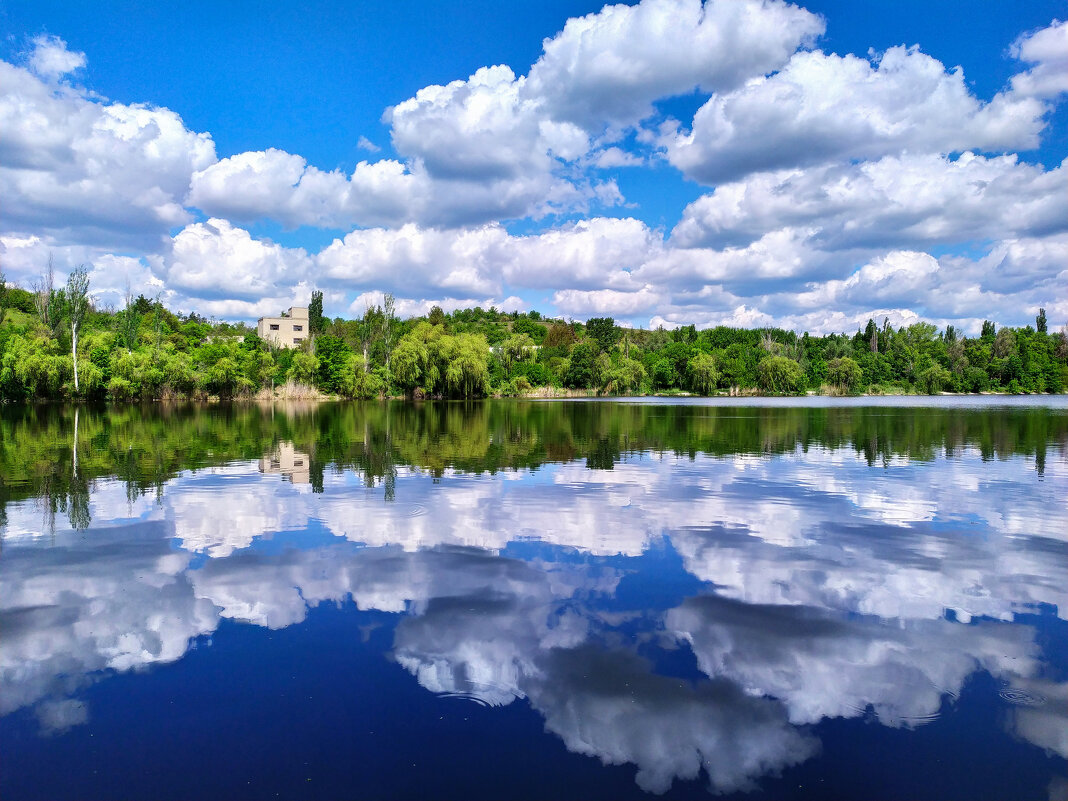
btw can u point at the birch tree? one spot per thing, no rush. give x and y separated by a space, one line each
77 306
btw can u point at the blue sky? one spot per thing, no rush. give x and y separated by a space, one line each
739 162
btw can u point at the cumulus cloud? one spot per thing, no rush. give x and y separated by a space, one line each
610 67
1024 272
215 259
50 59
83 170
821 108
1047 49
411 259
593 253
895 201
497 146
284 187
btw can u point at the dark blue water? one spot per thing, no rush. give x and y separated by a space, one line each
825 609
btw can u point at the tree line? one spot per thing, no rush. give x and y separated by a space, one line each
56 344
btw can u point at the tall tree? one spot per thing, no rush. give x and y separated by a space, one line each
130 321
315 313
77 307
603 329
871 333
1040 321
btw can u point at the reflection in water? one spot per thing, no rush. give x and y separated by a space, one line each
818 564
287 461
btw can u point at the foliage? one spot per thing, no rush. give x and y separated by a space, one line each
145 351
844 373
603 330
315 313
703 373
780 375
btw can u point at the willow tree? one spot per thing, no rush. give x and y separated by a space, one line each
77 306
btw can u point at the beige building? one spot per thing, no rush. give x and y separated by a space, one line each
287 331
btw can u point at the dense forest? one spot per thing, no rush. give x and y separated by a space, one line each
56 344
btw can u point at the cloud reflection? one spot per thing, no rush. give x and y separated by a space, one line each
827 589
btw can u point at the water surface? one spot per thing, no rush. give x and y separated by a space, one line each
536 600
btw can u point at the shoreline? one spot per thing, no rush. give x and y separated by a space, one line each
263 398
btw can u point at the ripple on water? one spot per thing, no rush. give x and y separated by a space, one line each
1021 697
466 697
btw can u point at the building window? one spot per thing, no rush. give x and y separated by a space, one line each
297 340
274 326
298 328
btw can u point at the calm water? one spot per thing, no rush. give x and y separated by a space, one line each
535 600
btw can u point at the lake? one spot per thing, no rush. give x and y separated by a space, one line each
809 598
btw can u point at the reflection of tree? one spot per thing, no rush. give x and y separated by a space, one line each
61 486
146 446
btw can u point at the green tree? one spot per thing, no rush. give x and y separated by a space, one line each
934 379
304 369
844 373
517 348
316 321
780 375
467 372
581 368
1005 343
627 376
603 329
333 356
703 373
1040 321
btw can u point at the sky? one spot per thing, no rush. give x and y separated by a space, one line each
668 162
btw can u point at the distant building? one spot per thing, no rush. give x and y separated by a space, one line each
287 331
289 462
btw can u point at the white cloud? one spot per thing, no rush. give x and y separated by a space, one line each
82 171
608 68
497 146
822 108
411 260
50 59
419 307
215 260
592 253
1047 49
614 157
363 143
590 303
894 202
282 186
1024 274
